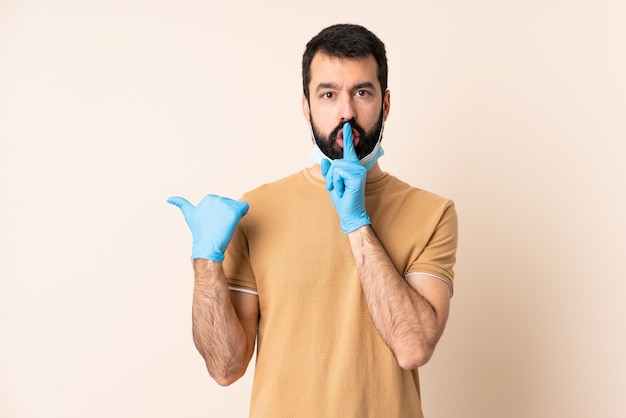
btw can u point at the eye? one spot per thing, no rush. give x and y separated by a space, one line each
327 95
363 93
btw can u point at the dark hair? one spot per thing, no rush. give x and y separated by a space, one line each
345 41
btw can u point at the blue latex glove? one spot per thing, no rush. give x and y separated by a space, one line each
345 180
212 223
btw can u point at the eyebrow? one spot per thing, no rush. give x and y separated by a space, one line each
324 86
365 84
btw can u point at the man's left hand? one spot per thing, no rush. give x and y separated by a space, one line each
345 180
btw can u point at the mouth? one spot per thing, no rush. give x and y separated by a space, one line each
355 138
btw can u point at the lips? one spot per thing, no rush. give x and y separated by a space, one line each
355 138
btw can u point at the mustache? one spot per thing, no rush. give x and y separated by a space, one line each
353 124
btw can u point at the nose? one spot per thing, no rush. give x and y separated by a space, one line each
347 111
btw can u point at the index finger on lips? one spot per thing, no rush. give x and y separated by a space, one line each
348 146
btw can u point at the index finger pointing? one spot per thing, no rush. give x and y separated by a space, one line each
348 146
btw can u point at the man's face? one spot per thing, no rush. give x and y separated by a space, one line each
345 90
331 146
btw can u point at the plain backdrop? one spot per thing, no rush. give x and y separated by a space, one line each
514 109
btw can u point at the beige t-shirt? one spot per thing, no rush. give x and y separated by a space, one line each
318 353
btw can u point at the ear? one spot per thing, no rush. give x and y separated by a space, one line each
386 104
306 111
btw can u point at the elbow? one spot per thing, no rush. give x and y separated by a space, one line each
412 359
226 376
226 380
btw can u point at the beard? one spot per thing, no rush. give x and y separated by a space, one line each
329 146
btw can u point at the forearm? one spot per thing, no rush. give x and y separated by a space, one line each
217 332
405 319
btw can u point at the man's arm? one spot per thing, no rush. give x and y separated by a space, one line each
409 315
224 323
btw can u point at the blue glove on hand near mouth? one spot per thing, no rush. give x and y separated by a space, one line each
212 223
345 180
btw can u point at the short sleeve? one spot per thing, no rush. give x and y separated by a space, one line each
237 260
439 256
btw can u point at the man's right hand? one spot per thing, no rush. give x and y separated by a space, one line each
212 223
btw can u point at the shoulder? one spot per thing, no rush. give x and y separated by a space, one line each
278 186
392 189
295 189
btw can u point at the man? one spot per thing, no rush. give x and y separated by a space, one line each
341 271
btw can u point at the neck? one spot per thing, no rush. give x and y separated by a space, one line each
374 173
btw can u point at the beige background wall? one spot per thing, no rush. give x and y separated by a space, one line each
514 109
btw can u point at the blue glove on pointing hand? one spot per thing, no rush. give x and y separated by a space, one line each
345 180
212 223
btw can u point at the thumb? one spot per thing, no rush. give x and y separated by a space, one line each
324 165
181 202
